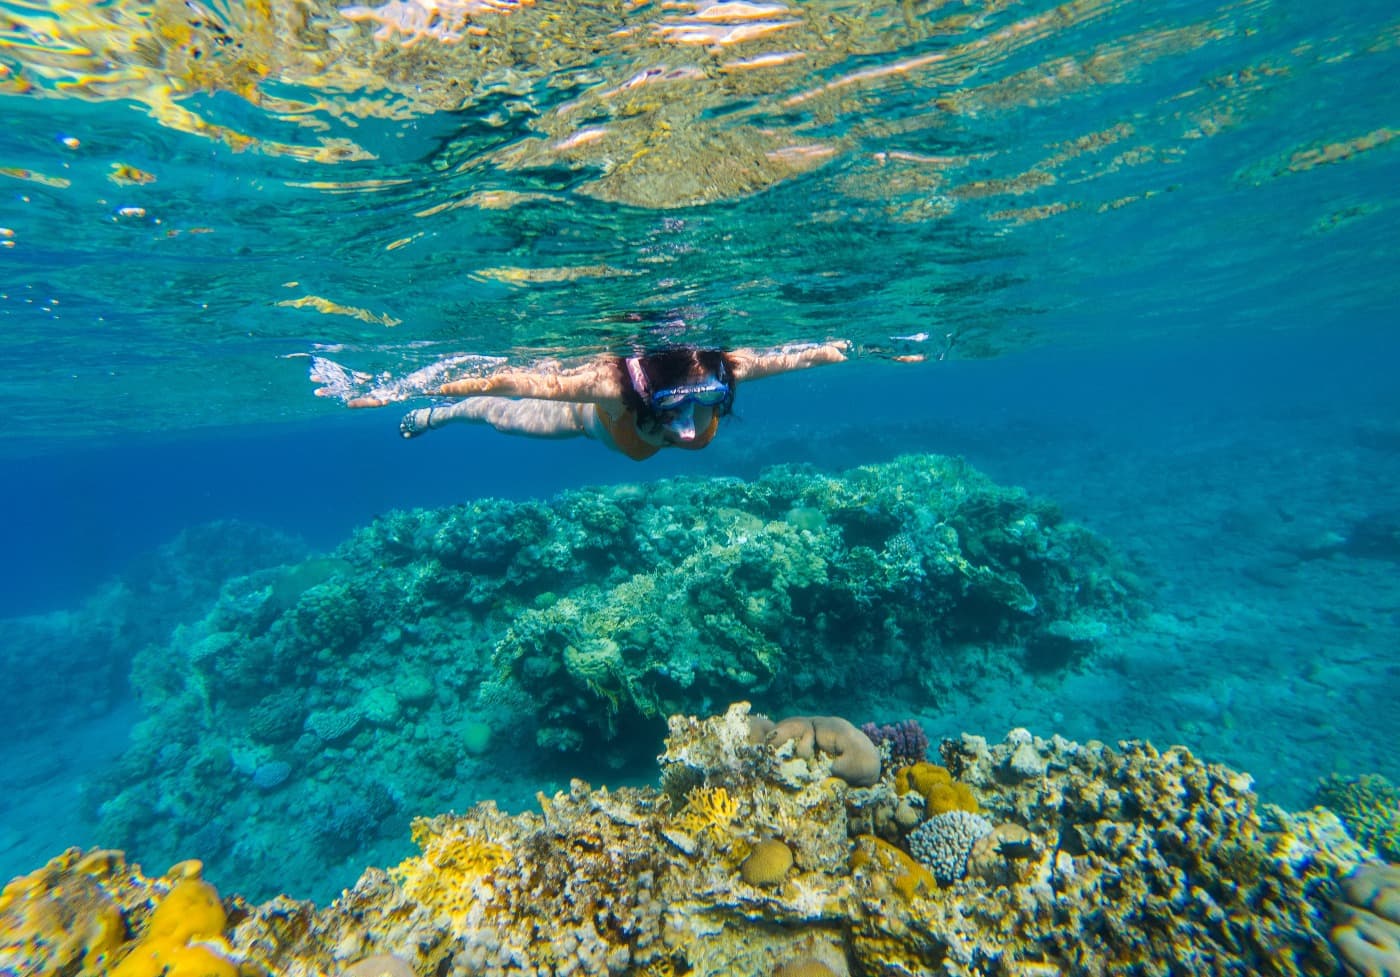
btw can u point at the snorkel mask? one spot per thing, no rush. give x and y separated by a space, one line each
674 407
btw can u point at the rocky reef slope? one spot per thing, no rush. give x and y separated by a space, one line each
754 854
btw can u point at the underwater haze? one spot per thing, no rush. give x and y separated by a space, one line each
1113 455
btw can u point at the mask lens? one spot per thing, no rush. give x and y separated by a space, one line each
707 395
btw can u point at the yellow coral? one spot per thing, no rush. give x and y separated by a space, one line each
453 860
51 919
940 791
183 937
767 863
191 909
148 959
906 875
708 809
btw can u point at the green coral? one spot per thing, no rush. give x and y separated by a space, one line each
768 586
1369 806
579 620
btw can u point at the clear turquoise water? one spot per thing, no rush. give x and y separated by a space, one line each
1154 247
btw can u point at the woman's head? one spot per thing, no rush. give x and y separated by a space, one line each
679 392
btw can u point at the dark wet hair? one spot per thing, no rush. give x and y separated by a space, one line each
674 367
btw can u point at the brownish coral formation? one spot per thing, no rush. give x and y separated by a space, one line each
854 757
1367 930
1113 861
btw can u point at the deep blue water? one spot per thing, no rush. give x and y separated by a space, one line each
91 512
85 515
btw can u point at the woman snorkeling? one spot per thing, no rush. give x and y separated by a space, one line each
637 405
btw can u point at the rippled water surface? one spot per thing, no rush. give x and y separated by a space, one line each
195 191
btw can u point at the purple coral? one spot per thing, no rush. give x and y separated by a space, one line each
908 743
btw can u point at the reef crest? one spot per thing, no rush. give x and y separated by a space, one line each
1110 860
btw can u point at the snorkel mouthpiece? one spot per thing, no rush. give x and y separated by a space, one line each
682 424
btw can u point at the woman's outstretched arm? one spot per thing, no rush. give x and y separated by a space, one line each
598 381
755 364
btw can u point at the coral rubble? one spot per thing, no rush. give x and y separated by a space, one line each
338 691
749 859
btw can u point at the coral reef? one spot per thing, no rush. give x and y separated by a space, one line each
854 758
1369 806
1125 860
432 640
69 666
767 863
920 564
945 841
1367 930
902 744
183 936
941 793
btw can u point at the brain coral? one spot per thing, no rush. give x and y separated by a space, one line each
767 863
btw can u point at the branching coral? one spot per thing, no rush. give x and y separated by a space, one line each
454 859
708 810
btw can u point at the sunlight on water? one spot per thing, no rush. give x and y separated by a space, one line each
543 178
